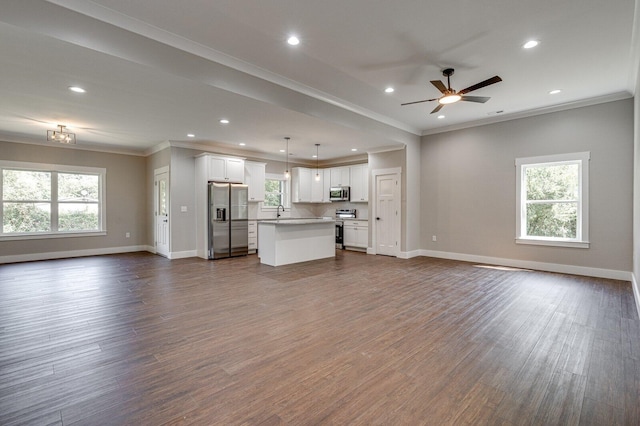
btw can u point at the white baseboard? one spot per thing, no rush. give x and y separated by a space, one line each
182 254
409 254
636 292
539 266
70 253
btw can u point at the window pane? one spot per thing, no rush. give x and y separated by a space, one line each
558 220
273 192
553 182
272 200
77 217
26 185
78 187
26 217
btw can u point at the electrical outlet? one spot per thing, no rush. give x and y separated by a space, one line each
128 235
434 238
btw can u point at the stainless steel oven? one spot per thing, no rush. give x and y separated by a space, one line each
342 214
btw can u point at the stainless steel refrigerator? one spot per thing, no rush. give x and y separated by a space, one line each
228 220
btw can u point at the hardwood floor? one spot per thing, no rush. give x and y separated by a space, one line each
141 340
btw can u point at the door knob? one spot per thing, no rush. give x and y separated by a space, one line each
377 218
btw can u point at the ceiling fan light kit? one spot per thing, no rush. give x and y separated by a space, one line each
450 96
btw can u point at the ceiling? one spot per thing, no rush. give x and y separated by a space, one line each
157 70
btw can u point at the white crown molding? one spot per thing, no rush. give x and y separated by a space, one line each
531 113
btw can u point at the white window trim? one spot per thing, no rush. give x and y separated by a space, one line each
582 241
102 172
287 192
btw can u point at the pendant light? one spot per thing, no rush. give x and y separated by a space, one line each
317 171
286 172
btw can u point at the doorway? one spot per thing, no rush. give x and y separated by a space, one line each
386 214
161 210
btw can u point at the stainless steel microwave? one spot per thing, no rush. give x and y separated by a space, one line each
339 193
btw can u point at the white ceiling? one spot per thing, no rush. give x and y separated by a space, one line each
155 70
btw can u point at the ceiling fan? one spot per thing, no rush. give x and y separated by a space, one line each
450 96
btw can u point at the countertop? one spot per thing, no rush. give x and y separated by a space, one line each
297 221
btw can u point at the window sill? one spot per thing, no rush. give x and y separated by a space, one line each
50 236
553 243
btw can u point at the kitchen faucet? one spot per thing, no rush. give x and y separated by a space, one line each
278 214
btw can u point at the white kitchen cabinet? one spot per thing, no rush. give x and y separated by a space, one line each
254 177
356 234
253 236
225 169
320 188
301 178
359 183
340 176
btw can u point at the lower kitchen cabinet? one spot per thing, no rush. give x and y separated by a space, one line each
253 236
356 234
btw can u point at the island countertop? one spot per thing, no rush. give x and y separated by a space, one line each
297 221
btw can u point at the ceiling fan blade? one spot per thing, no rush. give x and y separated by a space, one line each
480 85
419 102
439 85
436 109
479 99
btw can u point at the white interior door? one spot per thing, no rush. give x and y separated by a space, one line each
387 215
161 197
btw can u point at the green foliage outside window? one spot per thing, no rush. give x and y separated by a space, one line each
28 205
552 200
273 193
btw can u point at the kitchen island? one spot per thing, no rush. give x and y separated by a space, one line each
286 241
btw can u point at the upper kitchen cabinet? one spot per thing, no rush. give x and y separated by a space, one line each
360 183
301 185
320 188
224 169
254 177
340 176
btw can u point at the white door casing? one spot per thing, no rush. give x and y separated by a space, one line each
386 214
161 210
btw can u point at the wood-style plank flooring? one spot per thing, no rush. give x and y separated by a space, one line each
137 339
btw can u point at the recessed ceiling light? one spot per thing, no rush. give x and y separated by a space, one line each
242 144
555 92
389 90
530 44
314 156
440 117
282 150
293 40
354 149
224 121
77 89
191 135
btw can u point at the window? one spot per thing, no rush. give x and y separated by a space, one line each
553 200
50 200
276 191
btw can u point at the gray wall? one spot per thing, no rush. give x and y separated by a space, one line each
182 193
468 185
125 198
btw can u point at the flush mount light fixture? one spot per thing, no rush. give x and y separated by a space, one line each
317 171
530 44
61 135
77 89
555 92
293 40
389 90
